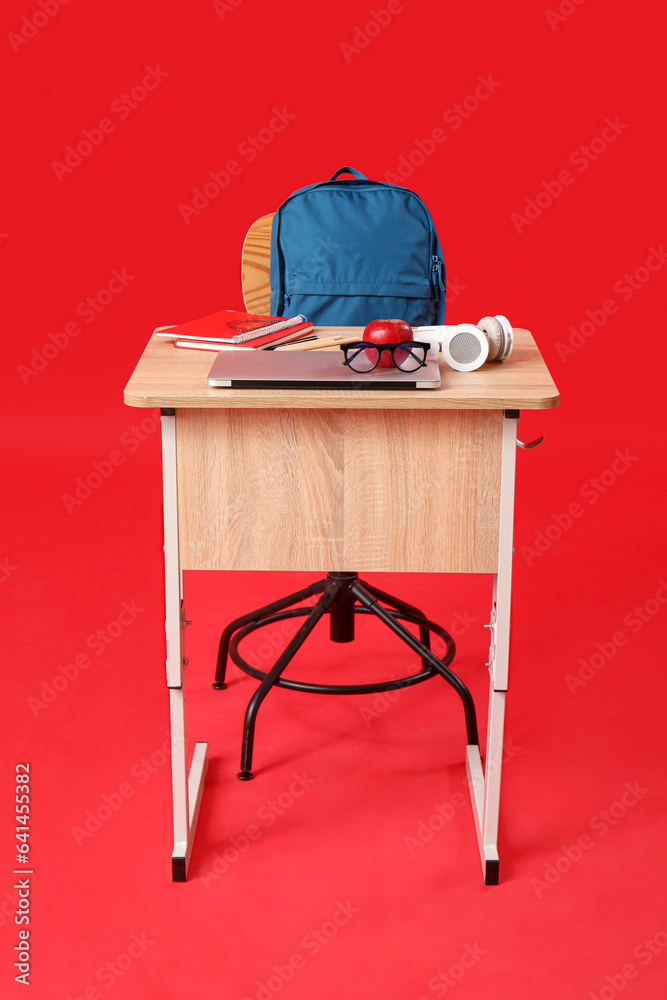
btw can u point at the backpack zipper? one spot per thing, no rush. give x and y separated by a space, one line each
436 272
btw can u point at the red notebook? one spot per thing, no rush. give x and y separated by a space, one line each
240 328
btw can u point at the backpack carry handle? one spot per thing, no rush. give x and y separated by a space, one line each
349 170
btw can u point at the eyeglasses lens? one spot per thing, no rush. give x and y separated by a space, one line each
362 359
408 357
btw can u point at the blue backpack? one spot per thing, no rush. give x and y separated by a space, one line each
344 253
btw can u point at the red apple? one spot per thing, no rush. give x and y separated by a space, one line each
387 331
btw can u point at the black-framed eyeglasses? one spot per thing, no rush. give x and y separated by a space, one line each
362 356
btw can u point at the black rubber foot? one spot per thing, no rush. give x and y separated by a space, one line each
491 873
219 687
245 775
178 870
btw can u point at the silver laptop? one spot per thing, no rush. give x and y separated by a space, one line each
311 370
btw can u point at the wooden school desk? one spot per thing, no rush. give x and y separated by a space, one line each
291 479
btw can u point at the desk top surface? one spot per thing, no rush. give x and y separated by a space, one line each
168 377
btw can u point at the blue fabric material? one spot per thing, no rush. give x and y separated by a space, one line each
346 252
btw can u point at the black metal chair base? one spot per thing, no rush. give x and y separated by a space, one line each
339 594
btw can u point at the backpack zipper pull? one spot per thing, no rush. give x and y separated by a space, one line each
436 270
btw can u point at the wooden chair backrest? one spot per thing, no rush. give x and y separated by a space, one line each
255 261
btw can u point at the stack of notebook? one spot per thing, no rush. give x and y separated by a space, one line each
230 328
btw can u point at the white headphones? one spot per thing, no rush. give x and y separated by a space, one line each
466 347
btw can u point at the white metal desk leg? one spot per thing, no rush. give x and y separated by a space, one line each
485 783
186 790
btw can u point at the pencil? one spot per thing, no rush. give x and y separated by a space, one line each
319 342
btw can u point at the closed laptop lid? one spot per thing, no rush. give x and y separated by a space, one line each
311 370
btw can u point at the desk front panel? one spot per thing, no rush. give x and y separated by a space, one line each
324 490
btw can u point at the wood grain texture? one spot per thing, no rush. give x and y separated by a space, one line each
255 266
166 376
340 489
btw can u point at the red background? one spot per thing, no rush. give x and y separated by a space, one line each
557 79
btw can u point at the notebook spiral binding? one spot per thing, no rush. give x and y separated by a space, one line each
273 328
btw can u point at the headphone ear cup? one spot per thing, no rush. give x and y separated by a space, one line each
490 326
500 334
509 336
465 348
